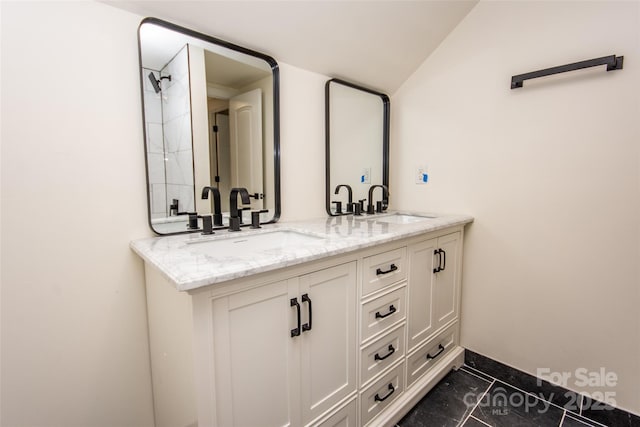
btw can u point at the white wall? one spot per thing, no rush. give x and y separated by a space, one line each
551 173
74 331
74 336
302 143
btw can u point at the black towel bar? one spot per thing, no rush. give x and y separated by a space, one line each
612 62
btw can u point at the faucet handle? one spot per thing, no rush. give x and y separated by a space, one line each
357 208
338 207
255 218
207 224
193 221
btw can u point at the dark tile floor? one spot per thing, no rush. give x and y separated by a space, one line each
471 397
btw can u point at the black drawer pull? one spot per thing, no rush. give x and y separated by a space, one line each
382 399
307 326
391 351
392 310
296 331
391 269
442 260
440 350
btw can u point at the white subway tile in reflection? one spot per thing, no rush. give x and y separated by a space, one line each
156 168
155 142
158 203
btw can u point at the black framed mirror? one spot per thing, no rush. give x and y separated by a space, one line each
211 123
357 148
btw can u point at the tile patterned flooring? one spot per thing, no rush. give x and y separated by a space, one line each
499 396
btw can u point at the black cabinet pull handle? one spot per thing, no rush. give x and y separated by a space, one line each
444 259
440 350
392 310
307 326
438 268
382 399
391 351
296 331
392 268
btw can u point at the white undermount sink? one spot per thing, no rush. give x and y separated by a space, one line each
403 219
242 244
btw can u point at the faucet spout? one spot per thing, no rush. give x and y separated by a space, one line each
234 218
349 195
217 208
381 204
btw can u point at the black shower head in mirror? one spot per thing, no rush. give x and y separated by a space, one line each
156 83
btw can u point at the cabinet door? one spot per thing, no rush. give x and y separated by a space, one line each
420 284
344 417
254 357
328 347
445 289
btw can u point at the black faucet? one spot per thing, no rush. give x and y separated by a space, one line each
349 195
217 214
380 205
234 215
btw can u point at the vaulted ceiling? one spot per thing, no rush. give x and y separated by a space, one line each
376 43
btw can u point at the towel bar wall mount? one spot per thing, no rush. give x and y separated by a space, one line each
612 62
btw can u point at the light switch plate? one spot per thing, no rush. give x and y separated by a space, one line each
365 176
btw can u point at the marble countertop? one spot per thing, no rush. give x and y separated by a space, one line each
188 261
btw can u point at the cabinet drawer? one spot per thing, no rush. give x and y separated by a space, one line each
380 314
381 393
383 270
430 353
381 354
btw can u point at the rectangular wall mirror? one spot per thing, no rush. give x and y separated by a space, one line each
357 146
211 119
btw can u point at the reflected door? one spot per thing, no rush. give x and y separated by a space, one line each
245 120
219 156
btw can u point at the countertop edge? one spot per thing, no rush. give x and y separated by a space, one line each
161 252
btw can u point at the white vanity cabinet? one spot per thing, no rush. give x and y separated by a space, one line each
280 354
355 339
434 285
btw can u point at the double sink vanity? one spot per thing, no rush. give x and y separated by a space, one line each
347 320
337 321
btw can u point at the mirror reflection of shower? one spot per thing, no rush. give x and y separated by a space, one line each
231 145
169 144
